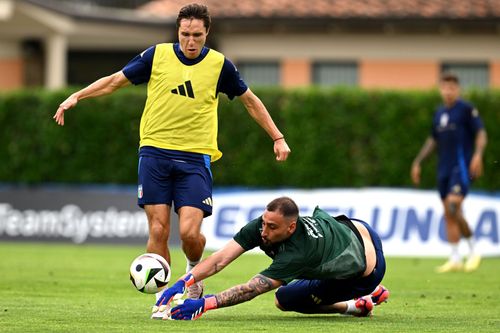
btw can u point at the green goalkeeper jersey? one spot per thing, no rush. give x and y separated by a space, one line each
322 247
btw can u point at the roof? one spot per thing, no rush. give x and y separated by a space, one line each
338 9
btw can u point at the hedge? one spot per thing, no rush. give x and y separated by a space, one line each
339 138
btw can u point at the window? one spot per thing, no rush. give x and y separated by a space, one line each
335 74
470 75
260 73
86 66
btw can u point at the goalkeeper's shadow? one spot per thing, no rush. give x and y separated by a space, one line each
290 317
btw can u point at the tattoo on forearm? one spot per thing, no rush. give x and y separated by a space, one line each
259 284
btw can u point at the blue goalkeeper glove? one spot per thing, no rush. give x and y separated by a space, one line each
177 288
192 309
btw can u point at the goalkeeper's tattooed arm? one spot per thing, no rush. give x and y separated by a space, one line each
259 284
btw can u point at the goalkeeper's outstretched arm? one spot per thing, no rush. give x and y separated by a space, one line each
217 261
259 284
193 309
206 268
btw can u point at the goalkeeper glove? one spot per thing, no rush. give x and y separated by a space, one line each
192 309
177 288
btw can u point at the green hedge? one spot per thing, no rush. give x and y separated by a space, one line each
339 138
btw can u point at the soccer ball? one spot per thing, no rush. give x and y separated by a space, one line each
149 273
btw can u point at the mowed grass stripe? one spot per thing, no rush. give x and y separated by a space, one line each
47 287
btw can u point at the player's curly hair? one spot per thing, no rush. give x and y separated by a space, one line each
449 77
285 206
195 11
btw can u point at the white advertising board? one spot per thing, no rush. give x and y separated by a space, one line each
409 222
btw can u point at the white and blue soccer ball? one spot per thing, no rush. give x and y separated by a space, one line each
150 273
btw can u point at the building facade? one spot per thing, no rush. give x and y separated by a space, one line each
379 44
51 44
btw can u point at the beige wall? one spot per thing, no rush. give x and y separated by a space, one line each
495 74
337 46
60 33
396 73
385 60
295 72
11 74
389 59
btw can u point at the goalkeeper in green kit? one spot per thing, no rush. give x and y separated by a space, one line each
321 264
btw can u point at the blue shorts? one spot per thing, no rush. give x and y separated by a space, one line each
304 295
457 182
167 176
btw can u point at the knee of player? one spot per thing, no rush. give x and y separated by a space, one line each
452 208
159 230
277 303
190 236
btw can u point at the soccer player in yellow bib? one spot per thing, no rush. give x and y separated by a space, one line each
178 130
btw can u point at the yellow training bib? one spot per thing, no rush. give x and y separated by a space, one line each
181 107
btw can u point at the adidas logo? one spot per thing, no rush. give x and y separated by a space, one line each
208 201
183 89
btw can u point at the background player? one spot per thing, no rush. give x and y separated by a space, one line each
178 131
459 134
338 262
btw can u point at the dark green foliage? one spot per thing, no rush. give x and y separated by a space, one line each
339 138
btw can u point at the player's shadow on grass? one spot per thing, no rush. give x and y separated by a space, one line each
295 318
312 317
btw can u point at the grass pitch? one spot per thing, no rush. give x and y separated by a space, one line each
85 288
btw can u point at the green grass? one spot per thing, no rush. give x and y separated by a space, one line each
85 288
